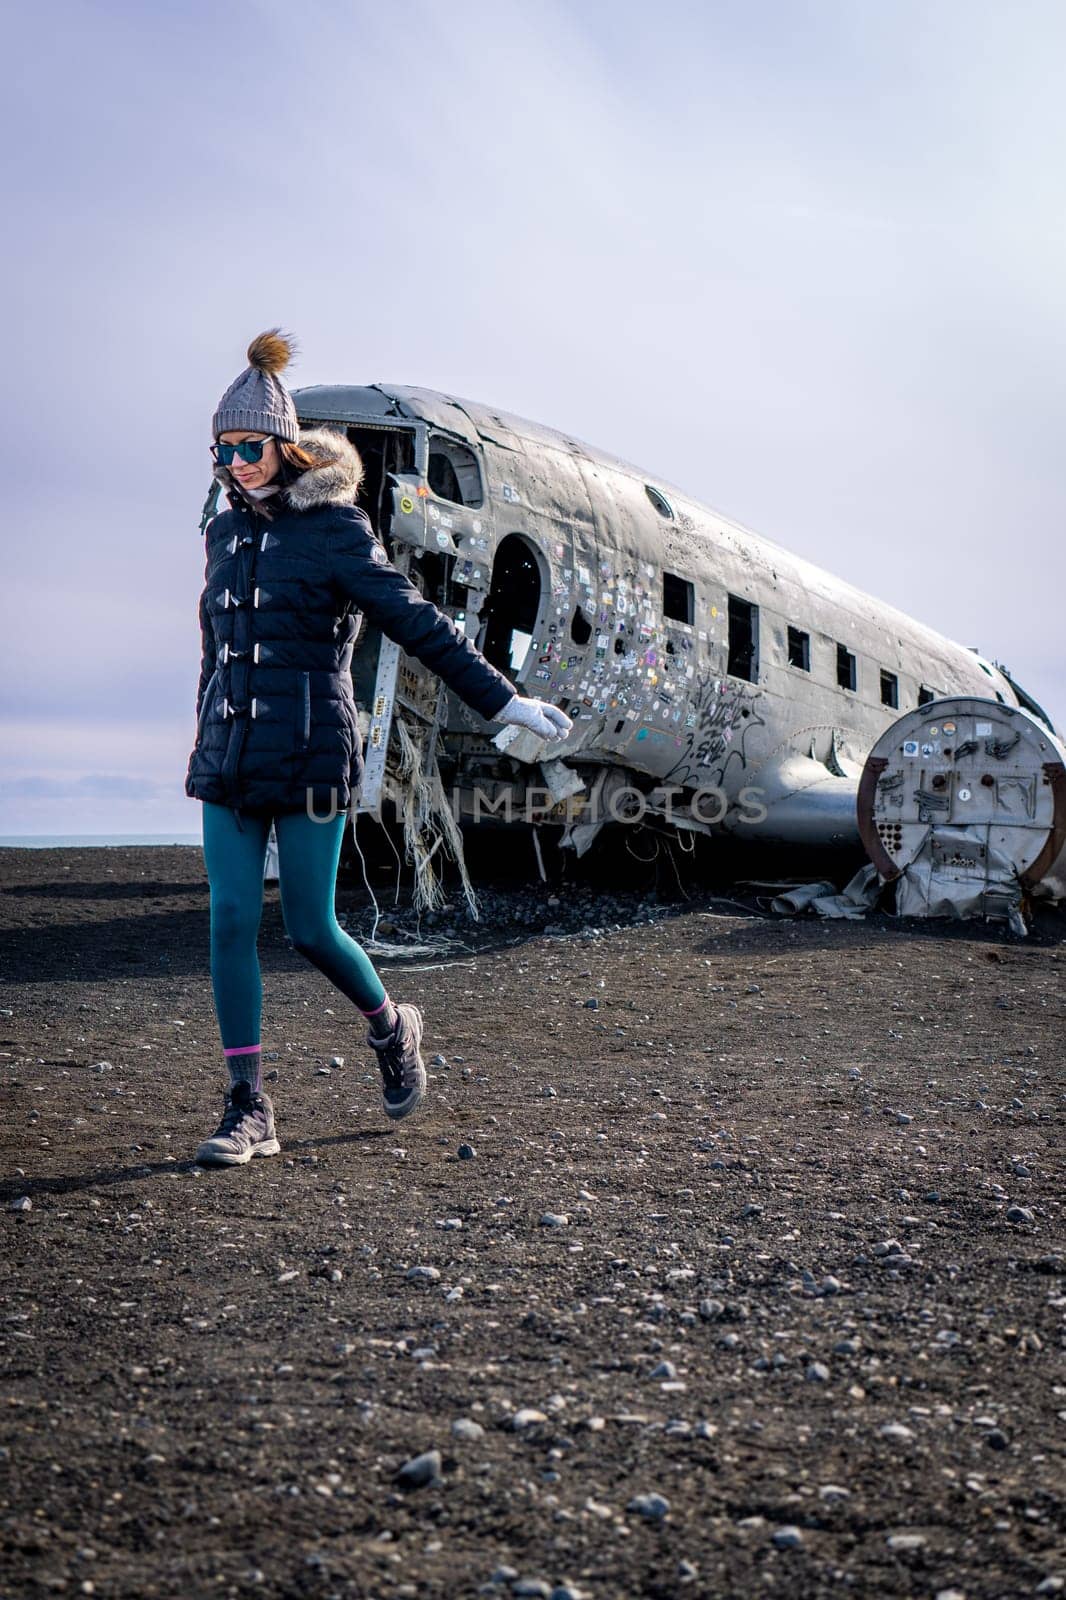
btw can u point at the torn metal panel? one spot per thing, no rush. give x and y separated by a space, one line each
580 834
957 874
853 901
377 738
560 780
521 744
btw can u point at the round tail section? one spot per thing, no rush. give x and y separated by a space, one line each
963 801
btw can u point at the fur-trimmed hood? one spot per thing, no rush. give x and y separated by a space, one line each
336 483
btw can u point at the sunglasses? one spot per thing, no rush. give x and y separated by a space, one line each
250 450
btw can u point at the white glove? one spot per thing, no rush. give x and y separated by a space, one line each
547 721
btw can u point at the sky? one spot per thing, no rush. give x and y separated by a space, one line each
805 259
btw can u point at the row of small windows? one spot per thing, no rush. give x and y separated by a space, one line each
678 605
453 474
799 655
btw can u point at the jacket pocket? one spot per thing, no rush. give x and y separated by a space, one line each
204 704
303 710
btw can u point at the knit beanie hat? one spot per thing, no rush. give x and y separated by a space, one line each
258 400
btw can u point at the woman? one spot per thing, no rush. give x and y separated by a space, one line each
289 568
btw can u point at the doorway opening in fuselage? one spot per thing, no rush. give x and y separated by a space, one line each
512 605
382 451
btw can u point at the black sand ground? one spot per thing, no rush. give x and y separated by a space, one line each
808 1286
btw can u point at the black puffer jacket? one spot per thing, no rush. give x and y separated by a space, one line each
276 716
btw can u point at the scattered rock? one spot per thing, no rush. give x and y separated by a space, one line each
527 1417
652 1506
420 1470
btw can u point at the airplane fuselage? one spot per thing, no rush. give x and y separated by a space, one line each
689 651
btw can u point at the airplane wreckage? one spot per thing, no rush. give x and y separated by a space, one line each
718 684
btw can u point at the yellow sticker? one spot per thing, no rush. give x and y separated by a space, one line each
407 505
714 611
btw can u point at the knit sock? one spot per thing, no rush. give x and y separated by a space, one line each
382 1019
245 1065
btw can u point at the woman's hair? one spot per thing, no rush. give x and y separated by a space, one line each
296 460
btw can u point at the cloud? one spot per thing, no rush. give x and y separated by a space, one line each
804 261
89 786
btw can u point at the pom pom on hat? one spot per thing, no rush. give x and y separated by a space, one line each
258 401
271 351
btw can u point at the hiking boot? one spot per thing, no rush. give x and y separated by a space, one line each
246 1130
402 1067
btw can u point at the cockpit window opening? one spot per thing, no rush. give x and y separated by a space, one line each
453 472
659 501
679 598
889 689
925 696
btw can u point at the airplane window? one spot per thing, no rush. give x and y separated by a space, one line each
679 598
847 676
799 649
580 627
453 472
659 501
889 689
925 696
743 639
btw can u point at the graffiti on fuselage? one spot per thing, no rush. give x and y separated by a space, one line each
726 713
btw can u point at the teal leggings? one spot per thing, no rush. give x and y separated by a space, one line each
308 854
